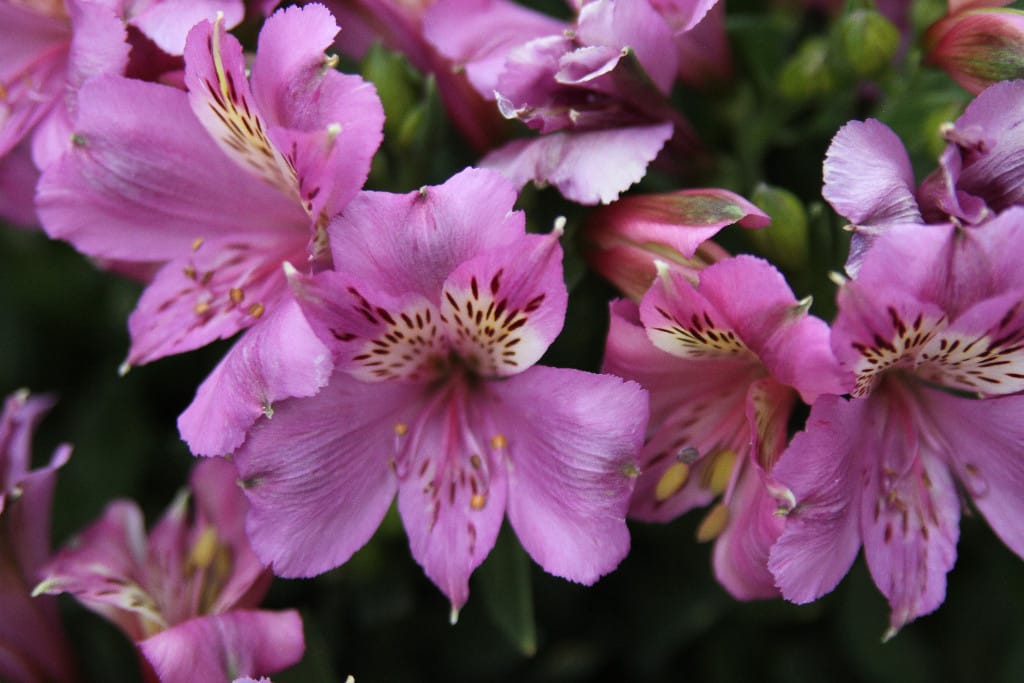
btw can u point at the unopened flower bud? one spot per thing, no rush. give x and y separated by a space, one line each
624 239
785 241
807 74
978 47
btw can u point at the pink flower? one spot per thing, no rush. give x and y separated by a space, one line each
724 362
186 594
436 325
933 329
595 90
32 644
236 179
977 44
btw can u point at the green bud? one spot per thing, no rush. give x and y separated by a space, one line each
398 85
806 74
784 241
865 42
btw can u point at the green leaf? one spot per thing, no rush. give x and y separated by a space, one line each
507 591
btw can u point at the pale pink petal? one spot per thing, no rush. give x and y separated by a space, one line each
301 521
993 169
588 167
683 15
226 646
412 242
272 361
504 312
573 439
821 470
167 23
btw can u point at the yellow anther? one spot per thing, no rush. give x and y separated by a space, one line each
201 307
671 481
498 441
196 243
3 92
714 523
256 310
204 550
236 295
478 501
720 472
475 461
189 272
401 429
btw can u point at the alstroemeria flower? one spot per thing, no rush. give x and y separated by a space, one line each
594 90
221 184
933 329
33 648
48 48
869 181
438 310
627 237
724 362
186 593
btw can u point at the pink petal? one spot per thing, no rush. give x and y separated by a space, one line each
588 167
994 169
452 487
330 122
221 287
317 474
18 178
168 23
821 471
982 442
869 181
636 25
412 242
503 313
116 195
226 646
573 439
272 361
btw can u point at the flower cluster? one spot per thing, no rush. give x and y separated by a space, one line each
410 350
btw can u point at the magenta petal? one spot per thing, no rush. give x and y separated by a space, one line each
588 167
983 445
822 531
226 646
317 474
995 169
18 178
573 441
277 359
412 242
868 178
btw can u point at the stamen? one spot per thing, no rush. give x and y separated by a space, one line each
713 524
401 429
498 441
255 310
672 479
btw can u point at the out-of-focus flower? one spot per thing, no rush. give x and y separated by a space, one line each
436 326
33 648
978 43
627 237
186 593
932 327
869 181
595 90
724 362
236 179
